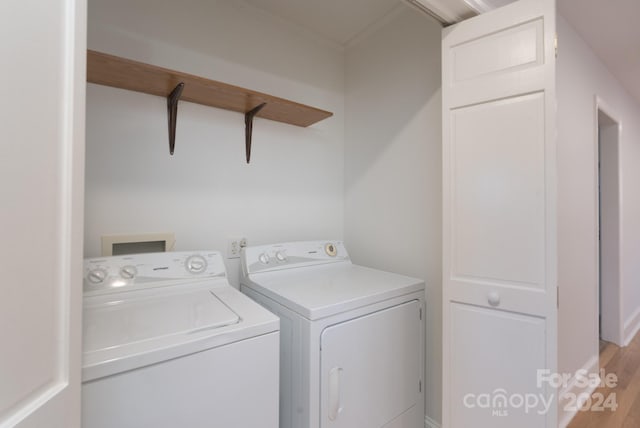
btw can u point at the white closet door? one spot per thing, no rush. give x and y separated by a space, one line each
42 51
499 277
371 370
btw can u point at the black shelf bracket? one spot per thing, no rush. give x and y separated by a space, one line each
248 127
172 110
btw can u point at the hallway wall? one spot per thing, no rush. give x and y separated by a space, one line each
581 77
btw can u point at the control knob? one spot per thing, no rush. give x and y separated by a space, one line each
330 249
97 276
128 272
196 264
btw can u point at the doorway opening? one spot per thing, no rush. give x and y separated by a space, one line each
609 237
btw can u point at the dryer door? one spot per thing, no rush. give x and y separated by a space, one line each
371 370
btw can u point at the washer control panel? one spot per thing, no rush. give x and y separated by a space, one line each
119 273
292 255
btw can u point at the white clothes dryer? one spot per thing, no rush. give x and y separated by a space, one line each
352 338
169 343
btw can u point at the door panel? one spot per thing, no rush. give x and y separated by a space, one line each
42 183
371 370
499 212
510 55
498 196
485 375
509 50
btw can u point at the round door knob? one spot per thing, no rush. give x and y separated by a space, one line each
493 298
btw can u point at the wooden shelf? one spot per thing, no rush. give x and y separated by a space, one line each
118 72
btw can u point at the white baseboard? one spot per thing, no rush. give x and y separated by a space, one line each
430 423
631 327
573 390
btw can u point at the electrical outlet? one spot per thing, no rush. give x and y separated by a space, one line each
233 247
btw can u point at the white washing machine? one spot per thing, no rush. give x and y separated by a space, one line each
351 337
169 343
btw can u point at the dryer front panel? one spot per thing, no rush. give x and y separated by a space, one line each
371 370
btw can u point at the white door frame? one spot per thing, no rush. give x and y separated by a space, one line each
614 321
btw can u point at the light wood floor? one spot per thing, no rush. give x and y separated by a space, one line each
625 363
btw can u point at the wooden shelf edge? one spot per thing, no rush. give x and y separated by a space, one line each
118 72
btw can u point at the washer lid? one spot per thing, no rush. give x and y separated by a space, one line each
321 291
126 331
120 320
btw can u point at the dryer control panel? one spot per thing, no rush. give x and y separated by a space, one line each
289 255
135 271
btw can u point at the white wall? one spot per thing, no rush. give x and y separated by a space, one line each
205 193
393 160
582 76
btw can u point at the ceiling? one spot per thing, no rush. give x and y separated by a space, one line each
337 20
610 27
612 30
